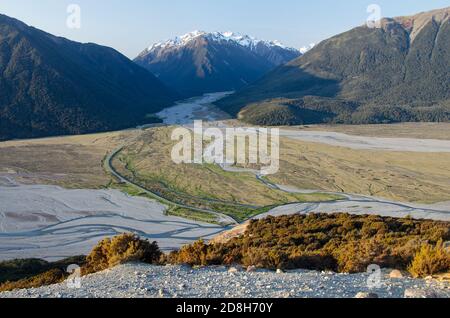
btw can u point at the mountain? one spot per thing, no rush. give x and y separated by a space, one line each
52 86
200 62
399 72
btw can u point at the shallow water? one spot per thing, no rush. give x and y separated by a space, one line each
368 143
50 222
198 108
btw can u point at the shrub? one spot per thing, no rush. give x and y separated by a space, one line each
194 254
430 260
312 261
340 242
20 269
106 254
119 250
53 276
265 258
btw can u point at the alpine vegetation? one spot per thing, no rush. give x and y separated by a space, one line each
396 73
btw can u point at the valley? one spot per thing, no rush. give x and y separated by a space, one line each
225 164
317 174
395 73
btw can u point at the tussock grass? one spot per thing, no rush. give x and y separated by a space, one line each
148 163
73 162
398 176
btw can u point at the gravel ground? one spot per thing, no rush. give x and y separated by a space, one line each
368 143
144 281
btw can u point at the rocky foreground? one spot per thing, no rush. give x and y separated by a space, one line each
144 281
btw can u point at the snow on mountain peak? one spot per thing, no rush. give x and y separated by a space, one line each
227 36
178 41
307 48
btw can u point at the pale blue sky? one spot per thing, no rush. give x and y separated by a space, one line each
130 26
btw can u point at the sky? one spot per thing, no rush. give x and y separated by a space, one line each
131 26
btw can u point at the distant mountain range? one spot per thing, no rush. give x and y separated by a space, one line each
399 72
201 62
53 86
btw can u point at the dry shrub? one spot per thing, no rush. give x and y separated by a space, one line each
356 256
201 254
106 254
53 276
31 273
119 250
264 258
194 254
21 269
430 260
313 261
340 242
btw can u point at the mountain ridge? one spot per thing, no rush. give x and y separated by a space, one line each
398 72
53 86
200 62
228 36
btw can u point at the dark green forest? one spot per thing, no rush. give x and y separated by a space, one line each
365 75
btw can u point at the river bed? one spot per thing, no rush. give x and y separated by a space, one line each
52 223
49 222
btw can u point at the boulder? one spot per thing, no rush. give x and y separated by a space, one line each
366 295
233 270
286 295
396 274
226 236
420 293
251 269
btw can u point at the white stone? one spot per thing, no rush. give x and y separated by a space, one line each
366 295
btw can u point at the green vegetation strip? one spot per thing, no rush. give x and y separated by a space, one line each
188 206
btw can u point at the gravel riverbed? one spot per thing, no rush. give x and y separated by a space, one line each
144 281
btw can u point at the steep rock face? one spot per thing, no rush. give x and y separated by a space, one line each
51 86
399 72
201 62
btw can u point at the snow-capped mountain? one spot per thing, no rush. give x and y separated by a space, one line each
307 48
244 40
201 62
